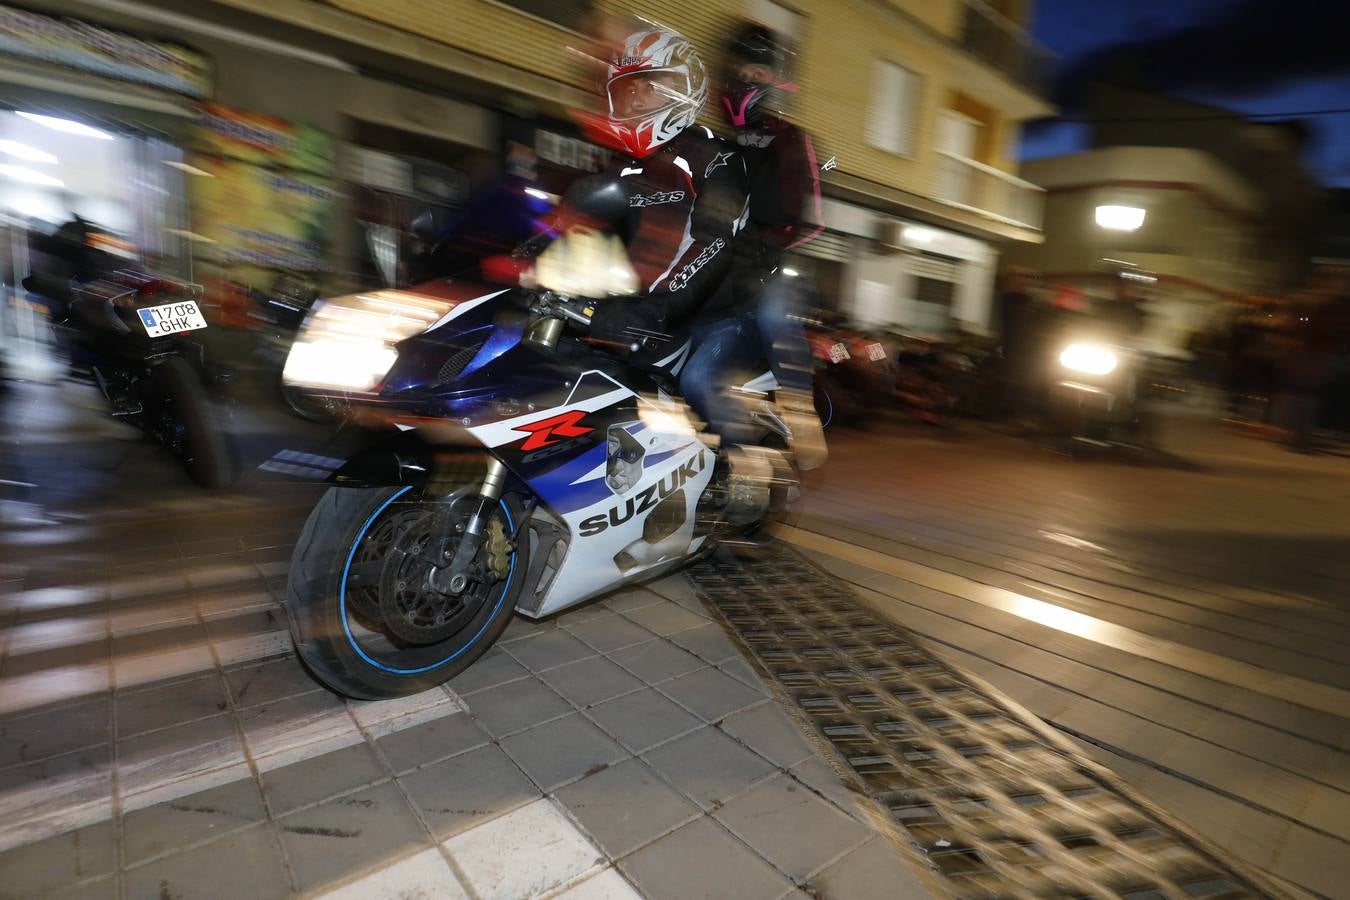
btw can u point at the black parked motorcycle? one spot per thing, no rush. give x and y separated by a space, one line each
131 333
278 314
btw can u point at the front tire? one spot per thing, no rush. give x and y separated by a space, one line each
330 607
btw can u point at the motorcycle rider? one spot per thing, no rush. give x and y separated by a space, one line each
783 183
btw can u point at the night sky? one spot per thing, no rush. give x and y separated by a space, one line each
1252 56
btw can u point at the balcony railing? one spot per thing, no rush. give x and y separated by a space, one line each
993 38
971 185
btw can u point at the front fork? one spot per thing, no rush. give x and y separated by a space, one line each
454 578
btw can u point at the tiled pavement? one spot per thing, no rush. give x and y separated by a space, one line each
623 749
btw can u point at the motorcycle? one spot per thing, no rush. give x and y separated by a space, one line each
853 373
1095 396
515 467
930 379
130 332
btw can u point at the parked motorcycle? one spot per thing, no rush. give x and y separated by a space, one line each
131 332
931 379
853 373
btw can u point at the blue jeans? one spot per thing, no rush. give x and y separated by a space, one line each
782 335
723 351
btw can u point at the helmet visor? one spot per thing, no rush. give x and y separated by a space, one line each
639 94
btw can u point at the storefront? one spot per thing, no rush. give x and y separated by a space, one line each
893 273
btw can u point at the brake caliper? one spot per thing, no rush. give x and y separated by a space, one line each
498 549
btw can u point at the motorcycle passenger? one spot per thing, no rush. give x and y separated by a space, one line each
783 181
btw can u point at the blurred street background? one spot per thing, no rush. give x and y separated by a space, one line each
1080 327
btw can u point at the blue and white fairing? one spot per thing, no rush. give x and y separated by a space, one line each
624 472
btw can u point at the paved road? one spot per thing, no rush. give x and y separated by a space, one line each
1186 623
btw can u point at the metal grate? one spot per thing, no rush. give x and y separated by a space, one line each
995 805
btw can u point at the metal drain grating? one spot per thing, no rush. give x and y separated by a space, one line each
996 806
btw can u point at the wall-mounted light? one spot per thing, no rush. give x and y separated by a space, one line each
1120 218
916 235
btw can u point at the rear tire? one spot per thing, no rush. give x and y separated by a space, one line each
326 627
206 451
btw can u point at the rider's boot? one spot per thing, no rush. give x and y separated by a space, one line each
798 411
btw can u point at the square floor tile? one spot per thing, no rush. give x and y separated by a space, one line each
709 766
768 731
875 871
321 777
270 681
743 672
489 670
467 790
590 681
56 785
39 869
665 618
610 632
708 642
521 627
791 827
409 748
158 829
423 876
710 693
562 750
631 598
353 834
33 737
298 727
182 701
608 885
642 719
160 759
702 860
549 650
245 864
515 706
656 661
625 806
818 775
552 849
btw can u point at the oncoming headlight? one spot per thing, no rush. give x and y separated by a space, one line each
348 343
1091 359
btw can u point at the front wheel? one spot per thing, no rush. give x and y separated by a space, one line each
363 613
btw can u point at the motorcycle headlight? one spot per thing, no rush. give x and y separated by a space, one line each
1090 359
348 343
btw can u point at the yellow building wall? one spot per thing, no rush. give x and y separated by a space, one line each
840 41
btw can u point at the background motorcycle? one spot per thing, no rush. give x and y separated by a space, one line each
1095 396
130 331
277 315
853 371
932 379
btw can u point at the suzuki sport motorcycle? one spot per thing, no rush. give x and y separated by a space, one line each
515 468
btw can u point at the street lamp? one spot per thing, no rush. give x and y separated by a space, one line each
1120 218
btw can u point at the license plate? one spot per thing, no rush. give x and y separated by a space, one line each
876 352
171 318
838 353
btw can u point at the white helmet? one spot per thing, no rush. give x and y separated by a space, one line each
655 88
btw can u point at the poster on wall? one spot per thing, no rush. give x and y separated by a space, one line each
93 49
263 197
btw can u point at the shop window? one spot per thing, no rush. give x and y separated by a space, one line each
933 299
895 92
567 13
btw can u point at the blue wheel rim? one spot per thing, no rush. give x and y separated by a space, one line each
342 596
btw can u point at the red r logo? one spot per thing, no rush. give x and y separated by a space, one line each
547 431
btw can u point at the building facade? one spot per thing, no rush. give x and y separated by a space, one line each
915 107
